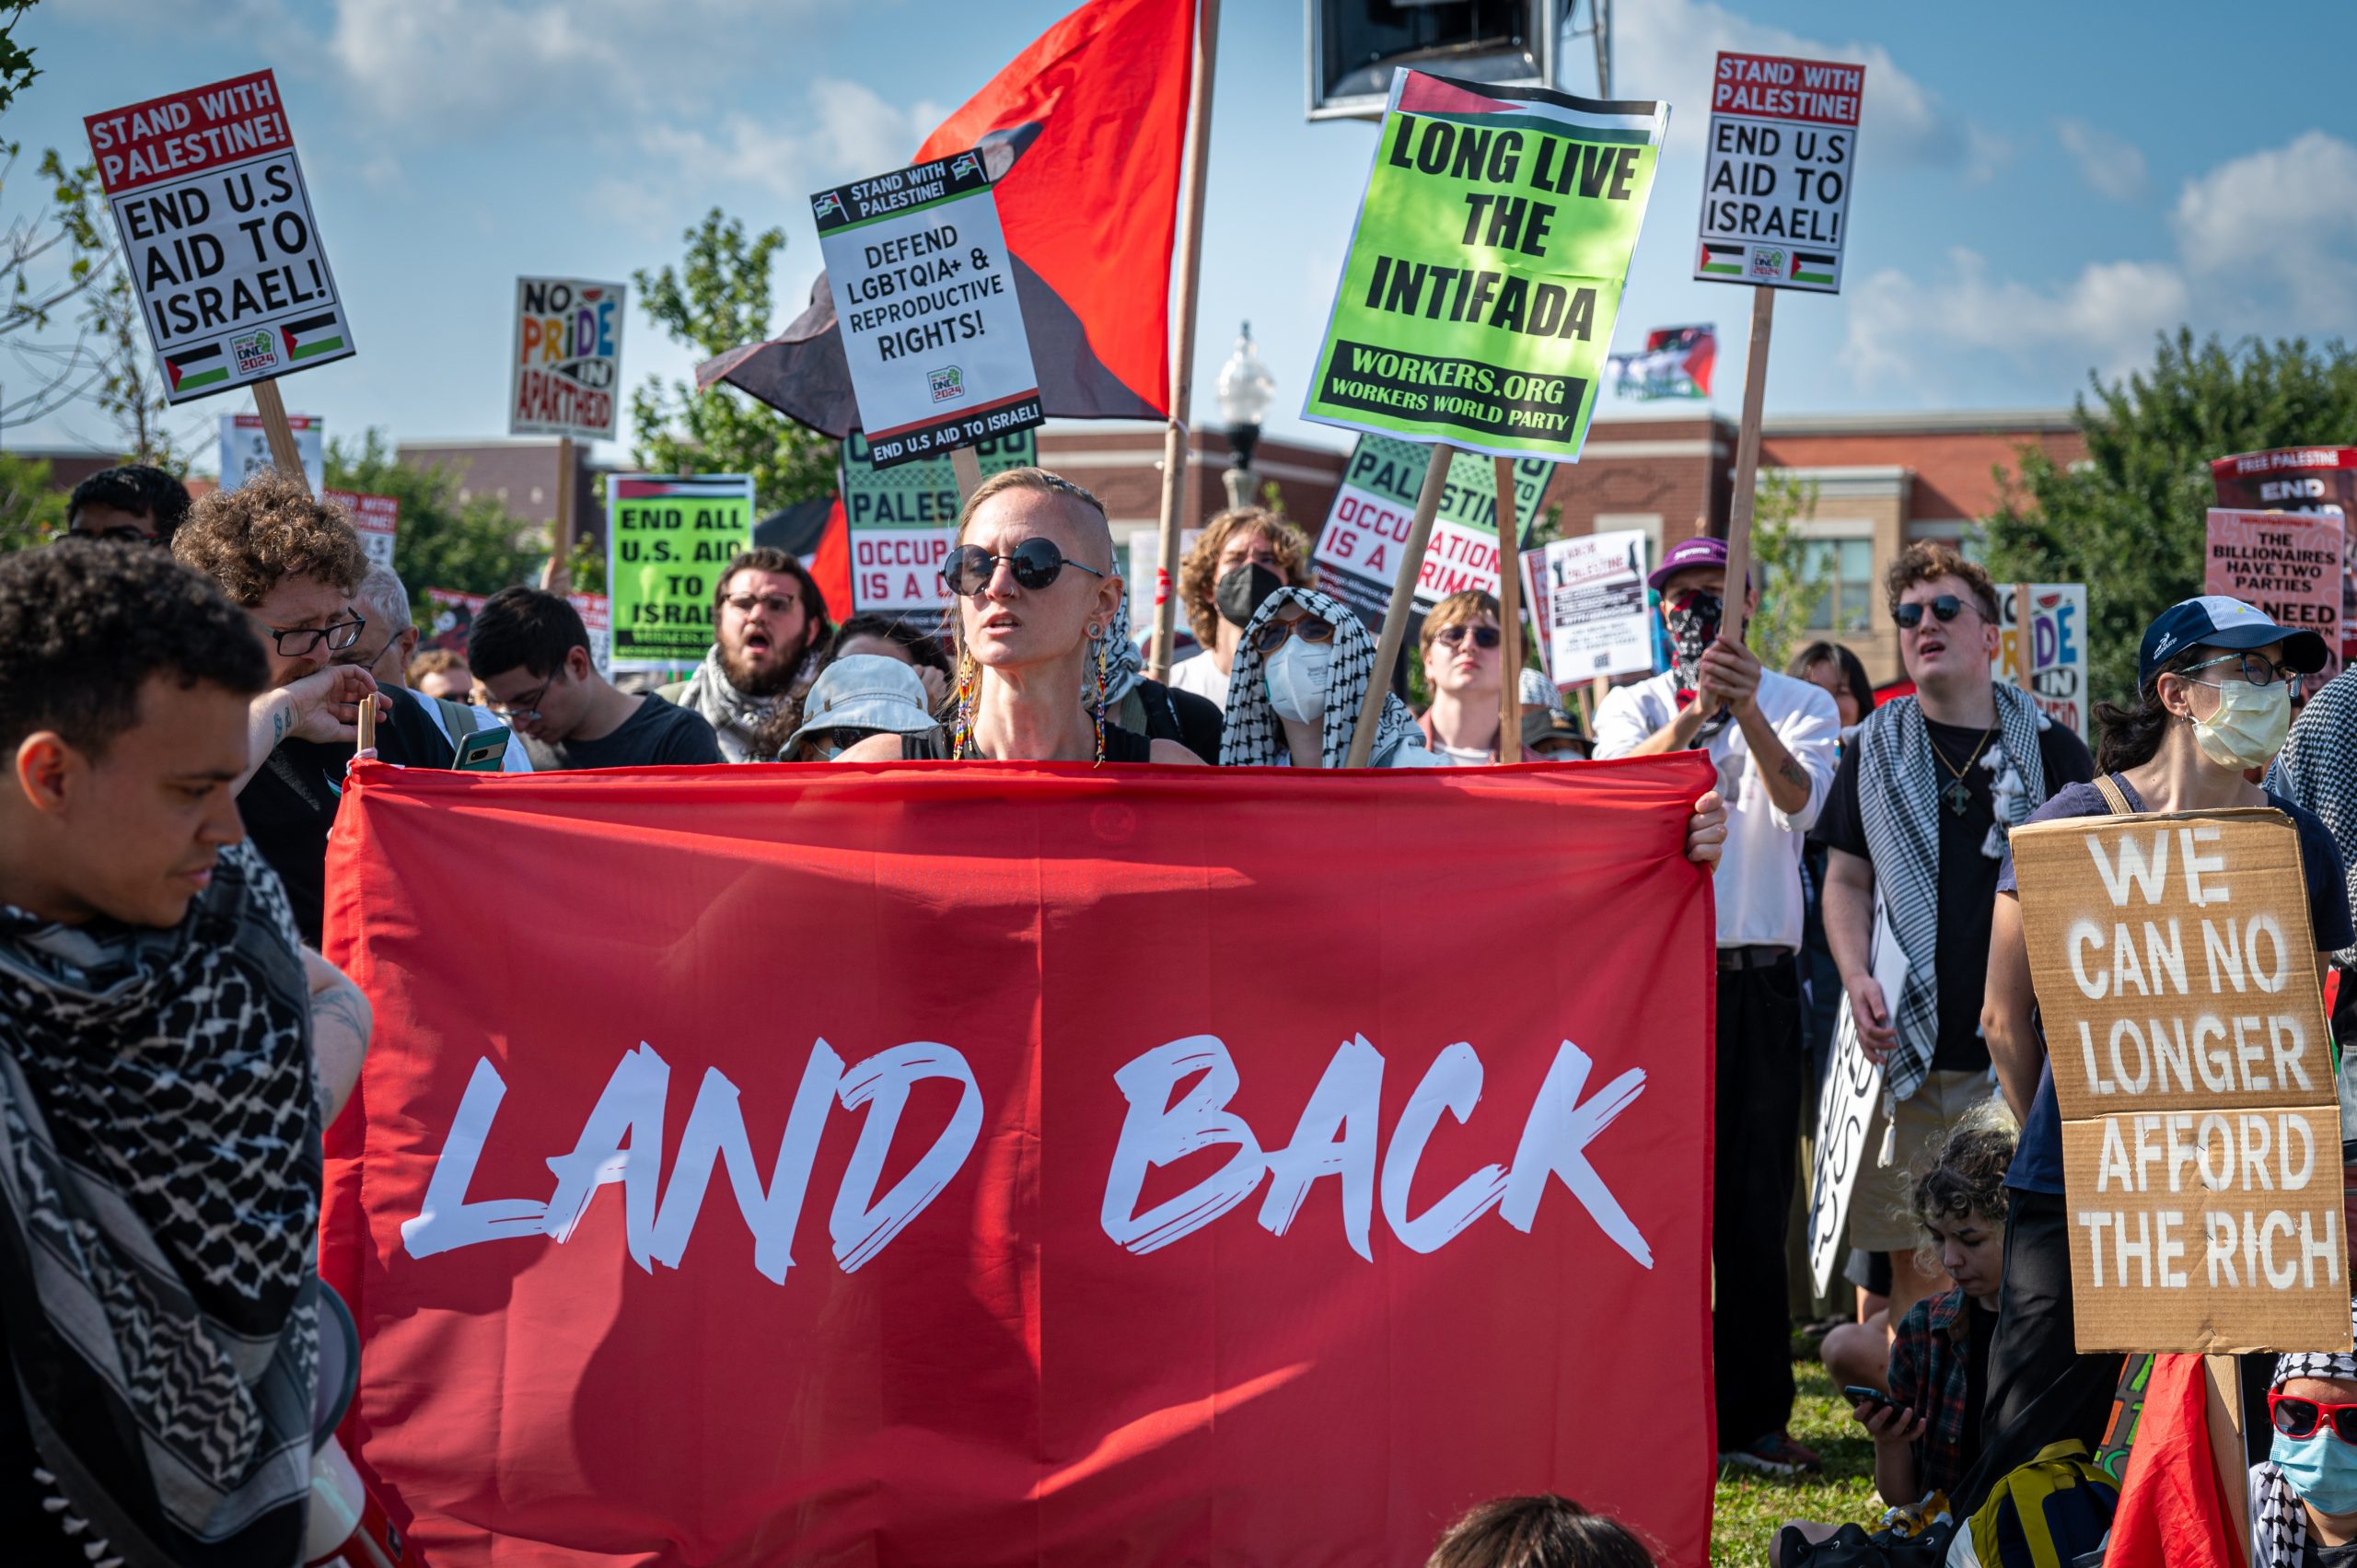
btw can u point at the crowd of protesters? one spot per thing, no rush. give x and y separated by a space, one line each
183 687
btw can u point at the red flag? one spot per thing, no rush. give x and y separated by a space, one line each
1084 132
830 562
1120 1165
2171 1514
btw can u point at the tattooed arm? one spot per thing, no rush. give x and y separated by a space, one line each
323 706
341 1019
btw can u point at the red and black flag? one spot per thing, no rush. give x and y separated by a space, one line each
1083 132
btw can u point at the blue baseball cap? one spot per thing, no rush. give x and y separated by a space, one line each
2214 621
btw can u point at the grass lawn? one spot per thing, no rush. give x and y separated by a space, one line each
1752 1507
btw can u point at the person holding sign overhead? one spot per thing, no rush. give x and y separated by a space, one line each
2214 685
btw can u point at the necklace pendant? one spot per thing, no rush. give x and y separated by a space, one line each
1960 798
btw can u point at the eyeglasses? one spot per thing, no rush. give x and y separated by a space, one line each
294 641
1035 562
2257 670
2301 1417
747 604
1947 606
1309 628
1484 636
527 708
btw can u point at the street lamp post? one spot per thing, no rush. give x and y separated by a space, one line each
1246 390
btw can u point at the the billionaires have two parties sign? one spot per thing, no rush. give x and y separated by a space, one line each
998 1245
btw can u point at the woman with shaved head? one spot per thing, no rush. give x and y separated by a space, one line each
1039 609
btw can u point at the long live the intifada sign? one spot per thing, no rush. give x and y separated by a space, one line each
1040 1218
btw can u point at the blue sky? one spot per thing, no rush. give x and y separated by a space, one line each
2040 188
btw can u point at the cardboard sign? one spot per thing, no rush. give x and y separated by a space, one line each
2058 673
903 519
1590 600
1486 266
925 291
376 519
2175 970
245 448
568 360
452 615
2301 479
2286 566
1145 566
1776 173
217 236
1367 522
1845 1110
667 540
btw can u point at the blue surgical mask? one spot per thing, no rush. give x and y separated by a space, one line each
2322 1468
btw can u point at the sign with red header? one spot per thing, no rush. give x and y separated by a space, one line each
1028 1253
1782 148
2301 479
376 519
2286 566
217 236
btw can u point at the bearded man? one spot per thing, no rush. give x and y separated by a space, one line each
770 630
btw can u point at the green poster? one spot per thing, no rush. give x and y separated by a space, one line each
667 540
902 519
1477 304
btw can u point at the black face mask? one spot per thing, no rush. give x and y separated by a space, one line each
1693 620
1240 593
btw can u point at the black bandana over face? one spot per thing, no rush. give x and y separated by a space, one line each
1240 592
1693 620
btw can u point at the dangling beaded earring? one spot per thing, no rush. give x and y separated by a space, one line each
968 679
1104 678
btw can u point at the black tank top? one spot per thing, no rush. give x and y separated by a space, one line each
933 746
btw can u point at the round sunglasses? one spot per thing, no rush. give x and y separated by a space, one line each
2301 1417
1036 562
1947 606
1484 636
1309 629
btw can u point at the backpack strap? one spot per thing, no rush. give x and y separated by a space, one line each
2114 798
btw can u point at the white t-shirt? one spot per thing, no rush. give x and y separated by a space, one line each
1759 877
1202 677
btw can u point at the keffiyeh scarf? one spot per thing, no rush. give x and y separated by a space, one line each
1900 778
1254 737
1124 662
2317 768
2278 1520
738 721
159 1177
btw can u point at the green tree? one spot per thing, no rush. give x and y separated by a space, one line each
1791 585
32 510
718 298
16 68
472 546
2130 521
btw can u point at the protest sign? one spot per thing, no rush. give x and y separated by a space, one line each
245 448
1485 269
376 519
667 541
1145 568
2301 479
451 615
926 294
1845 1111
1776 172
2286 566
217 236
853 1215
2176 981
1675 363
1369 524
2057 674
1590 604
902 519
568 359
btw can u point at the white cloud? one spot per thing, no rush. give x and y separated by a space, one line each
2108 313
1666 49
2111 165
2284 216
846 132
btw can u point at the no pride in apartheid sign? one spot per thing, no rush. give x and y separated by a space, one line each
925 291
568 358
1366 524
1485 270
2175 970
902 520
1776 174
967 1261
2058 648
667 541
218 236
2287 566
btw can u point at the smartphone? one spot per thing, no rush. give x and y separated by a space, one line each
482 750
1858 1392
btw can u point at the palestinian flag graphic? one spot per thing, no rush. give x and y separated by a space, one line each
1814 267
195 368
1724 260
313 336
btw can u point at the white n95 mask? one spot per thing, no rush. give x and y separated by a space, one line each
1297 673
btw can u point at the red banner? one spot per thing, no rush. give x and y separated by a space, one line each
1024 1165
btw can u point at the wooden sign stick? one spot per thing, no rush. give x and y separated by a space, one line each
285 455
1746 458
1509 616
967 468
1190 268
561 535
1403 600
2025 639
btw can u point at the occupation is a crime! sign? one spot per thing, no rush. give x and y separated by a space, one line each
218 236
568 358
1777 169
925 291
667 541
1367 525
1485 269
902 520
